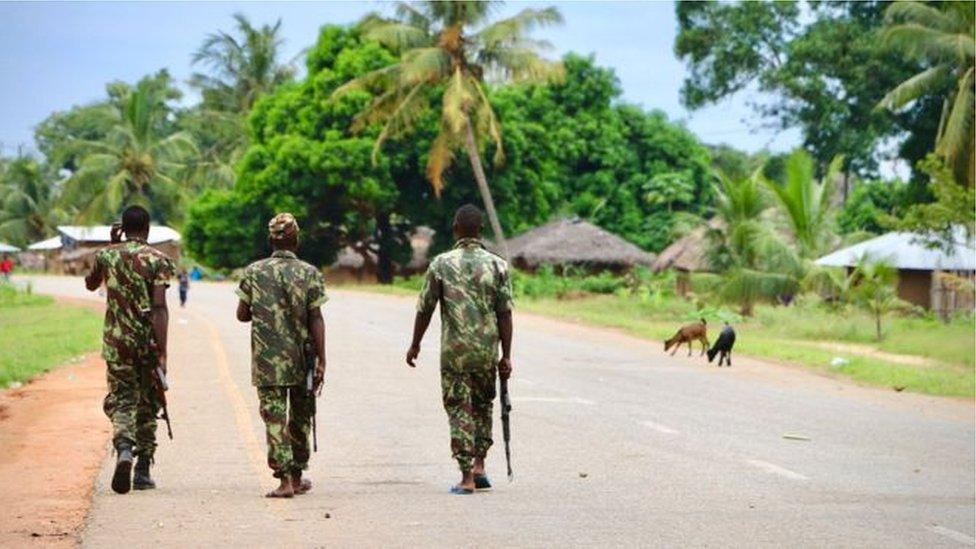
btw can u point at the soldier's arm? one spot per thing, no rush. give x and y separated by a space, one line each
420 323
95 277
160 321
316 327
505 330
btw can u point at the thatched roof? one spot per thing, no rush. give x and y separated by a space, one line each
688 253
574 241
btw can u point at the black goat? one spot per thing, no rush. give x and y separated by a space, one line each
723 346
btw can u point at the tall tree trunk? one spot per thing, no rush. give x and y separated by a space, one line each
479 176
877 323
384 236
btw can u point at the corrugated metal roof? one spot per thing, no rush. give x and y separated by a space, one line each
52 243
7 248
906 251
101 233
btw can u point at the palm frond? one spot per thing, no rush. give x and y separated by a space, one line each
924 43
922 83
438 160
395 35
957 135
922 14
424 65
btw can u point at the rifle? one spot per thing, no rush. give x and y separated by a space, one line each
506 402
160 386
310 387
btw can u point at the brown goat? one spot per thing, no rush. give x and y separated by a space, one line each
688 333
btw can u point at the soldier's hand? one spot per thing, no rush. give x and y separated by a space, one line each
162 363
319 377
505 368
115 234
412 353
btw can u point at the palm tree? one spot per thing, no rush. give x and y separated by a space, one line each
757 265
806 202
443 61
944 40
28 210
134 163
243 67
873 287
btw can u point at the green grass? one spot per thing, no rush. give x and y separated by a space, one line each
771 334
37 334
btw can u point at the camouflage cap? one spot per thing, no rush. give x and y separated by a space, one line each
283 226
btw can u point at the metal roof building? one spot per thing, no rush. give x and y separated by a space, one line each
907 251
8 249
934 278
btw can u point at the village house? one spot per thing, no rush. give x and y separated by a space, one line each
940 279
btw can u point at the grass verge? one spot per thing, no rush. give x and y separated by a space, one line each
768 336
37 334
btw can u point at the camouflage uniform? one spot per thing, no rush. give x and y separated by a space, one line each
281 290
131 270
472 285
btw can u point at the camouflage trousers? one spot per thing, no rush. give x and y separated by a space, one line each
468 395
287 415
132 407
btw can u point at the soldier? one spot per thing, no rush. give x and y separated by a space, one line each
281 296
473 287
134 341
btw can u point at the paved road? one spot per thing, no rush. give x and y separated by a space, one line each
615 445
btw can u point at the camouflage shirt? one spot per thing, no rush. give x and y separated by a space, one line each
472 285
280 291
130 270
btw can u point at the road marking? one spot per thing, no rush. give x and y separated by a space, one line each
241 415
776 469
951 534
572 400
659 428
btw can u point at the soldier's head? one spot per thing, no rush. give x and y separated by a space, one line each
283 232
468 221
135 222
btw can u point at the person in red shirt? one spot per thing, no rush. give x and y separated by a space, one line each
6 267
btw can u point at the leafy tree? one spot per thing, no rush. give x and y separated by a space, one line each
939 221
573 148
870 206
304 158
57 136
805 202
944 39
825 69
28 203
443 61
140 160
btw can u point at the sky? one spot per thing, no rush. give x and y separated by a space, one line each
59 54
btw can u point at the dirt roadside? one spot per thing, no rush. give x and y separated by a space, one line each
53 438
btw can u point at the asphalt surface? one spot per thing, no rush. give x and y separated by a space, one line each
615 444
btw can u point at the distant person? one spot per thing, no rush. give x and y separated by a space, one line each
281 297
134 342
6 267
196 274
184 280
473 288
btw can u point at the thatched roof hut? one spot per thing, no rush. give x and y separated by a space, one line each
574 242
688 253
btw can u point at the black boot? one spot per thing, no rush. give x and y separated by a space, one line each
122 479
141 479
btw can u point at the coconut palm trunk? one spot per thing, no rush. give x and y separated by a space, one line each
479 175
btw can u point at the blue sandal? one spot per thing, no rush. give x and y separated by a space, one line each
458 491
